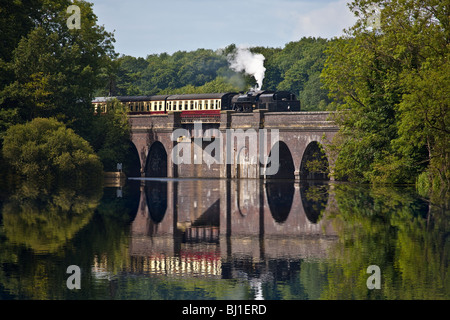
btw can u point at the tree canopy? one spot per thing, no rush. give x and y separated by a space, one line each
393 77
50 71
295 68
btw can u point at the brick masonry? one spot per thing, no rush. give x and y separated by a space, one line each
296 129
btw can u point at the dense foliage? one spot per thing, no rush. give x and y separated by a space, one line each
46 149
295 68
110 136
393 76
50 71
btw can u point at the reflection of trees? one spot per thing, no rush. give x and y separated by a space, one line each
38 223
44 221
314 198
396 231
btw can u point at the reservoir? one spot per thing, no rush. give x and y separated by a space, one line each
238 239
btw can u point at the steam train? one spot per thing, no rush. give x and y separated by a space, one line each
207 104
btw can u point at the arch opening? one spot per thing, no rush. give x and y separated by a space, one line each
314 164
156 165
132 163
286 167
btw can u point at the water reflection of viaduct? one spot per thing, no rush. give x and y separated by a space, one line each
198 227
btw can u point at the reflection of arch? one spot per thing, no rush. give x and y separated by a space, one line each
286 168
280 195
242 163
156 196
314 165
314 199
246 195
156 161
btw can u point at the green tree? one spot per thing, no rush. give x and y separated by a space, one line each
110 135
393 79
45 149
53 70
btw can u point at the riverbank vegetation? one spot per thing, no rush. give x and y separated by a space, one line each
48 74
389 75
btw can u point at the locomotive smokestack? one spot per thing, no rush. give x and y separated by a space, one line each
251 63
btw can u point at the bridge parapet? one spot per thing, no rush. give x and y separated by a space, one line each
321 120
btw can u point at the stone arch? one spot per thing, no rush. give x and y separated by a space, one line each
286 168
314 164
132 163
156 165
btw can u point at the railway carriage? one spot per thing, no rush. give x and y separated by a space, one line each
206 105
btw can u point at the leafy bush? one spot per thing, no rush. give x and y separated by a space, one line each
46 149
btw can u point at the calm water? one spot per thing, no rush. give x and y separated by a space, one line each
223 239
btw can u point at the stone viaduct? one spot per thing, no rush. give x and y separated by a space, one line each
237 145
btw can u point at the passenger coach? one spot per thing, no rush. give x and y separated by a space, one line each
207 105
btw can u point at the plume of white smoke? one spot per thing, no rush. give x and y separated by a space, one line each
250 63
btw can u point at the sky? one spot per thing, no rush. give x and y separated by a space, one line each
152 27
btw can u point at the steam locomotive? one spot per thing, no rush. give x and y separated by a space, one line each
207 104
